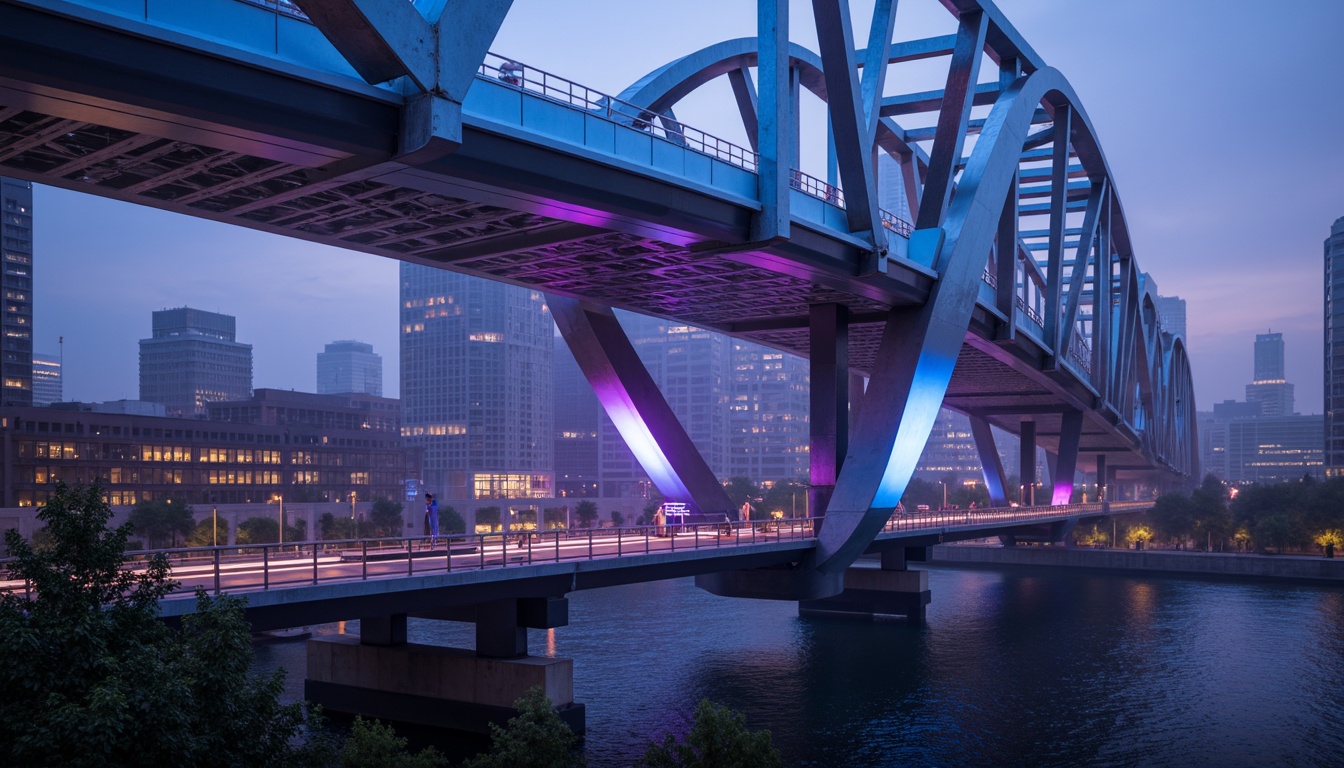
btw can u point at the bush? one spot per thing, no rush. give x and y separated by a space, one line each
374 745
536 738
718 739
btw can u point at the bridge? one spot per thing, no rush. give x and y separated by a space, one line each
1008 290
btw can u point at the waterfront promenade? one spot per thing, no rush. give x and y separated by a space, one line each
1218 564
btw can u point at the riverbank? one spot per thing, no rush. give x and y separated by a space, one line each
1221 565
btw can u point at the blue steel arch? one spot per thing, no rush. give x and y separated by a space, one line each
1152 381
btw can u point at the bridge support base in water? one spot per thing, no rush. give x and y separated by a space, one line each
428 685
891 590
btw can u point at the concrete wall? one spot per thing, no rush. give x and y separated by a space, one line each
1199 563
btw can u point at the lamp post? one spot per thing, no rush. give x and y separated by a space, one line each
214 517
944 484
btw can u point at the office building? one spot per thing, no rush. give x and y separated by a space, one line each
476 385
16 243
1270 388
47 384
768 414
578 419
1267 449
295 445
345 367
1334 350
192 359
1171 315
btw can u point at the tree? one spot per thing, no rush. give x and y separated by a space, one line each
332 527
554 517
450 521
207 532
586 511
617 519
787 496
718 739
90 676
386 517
162 522
1213 519
535 738
920 491
1173 515
741 489
266 530
374 745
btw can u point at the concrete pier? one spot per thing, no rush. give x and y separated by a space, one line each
889 590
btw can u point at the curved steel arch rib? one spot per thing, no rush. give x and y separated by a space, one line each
919 347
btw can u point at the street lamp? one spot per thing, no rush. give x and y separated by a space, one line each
944 484
214 517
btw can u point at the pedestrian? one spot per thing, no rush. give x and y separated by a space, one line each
431 519
511 72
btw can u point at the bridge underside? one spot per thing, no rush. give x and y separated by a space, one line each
374 210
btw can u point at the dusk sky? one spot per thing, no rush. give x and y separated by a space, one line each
1221 123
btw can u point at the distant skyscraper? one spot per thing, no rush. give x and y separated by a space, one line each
768 414
476 385
1270 388
1171 314
47 385
349 367
891 195
192 359
1334 350
578 420
16 237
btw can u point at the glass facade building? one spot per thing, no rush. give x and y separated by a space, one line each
1269 389
1334 350
768 414
48 387
345 367
16 243
476 385
192 359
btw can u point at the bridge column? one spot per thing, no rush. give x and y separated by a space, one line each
1066 460
990 462
379 674
828 359
889 590
1027 462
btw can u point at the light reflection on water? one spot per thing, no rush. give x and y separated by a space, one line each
1019 667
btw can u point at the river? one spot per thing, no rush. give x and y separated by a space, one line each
1014 667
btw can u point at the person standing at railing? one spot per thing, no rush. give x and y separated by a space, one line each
510 72
432 518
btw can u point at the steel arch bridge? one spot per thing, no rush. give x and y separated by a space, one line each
1013 293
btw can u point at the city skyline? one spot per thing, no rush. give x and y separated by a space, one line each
293 297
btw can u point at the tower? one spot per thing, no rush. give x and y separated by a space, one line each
476 385
16 348
191 359
1269 387
349 367
1334 350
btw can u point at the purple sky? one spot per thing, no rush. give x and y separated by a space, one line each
1221 123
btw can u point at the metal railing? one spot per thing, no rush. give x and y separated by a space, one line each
261 567
513 73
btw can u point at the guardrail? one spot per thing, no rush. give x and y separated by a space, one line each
253 567
518 75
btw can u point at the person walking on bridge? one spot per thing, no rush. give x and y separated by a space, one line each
432 518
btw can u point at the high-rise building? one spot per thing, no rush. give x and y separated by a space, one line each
476 385
768 414
1269 387
349 367
1334 350
47 385
891 196
578 420
193 359
16 242
1171 314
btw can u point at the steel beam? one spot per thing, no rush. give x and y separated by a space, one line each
958 96
1054 272
1066 459
990 461
1026 460
828 423
636 406
774 123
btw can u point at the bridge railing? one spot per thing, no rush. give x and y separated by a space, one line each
514 73
934 519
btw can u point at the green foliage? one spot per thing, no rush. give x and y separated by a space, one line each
90 676
586 512
741 489
535 738
617 519
161 523
450 521
554 517
374 745
920 491
387 520
266 530
787 496
1173 516
718 739
333 527
203 535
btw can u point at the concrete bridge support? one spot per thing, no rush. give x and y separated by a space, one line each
378 673
891 590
